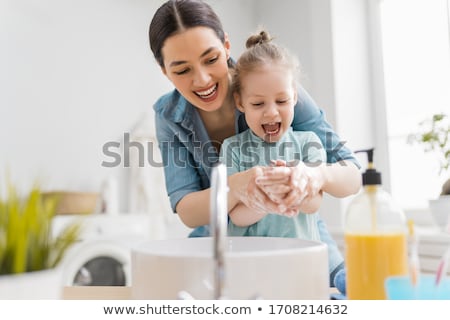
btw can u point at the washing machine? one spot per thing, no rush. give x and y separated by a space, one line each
102 256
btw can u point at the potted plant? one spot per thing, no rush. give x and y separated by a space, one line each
434 135
29 251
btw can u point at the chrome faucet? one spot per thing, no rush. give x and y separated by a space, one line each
218 229
218 225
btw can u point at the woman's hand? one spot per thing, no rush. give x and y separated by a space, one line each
296 187
244 188
283 188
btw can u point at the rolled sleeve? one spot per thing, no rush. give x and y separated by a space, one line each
180 174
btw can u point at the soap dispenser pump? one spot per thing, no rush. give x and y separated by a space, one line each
375 233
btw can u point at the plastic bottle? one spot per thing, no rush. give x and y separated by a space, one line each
375 238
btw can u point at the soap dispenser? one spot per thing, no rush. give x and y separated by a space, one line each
375 233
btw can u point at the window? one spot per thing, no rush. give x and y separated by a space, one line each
415 37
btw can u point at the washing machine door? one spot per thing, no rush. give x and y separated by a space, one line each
100 271
98 263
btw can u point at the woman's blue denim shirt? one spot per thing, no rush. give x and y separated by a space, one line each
188 154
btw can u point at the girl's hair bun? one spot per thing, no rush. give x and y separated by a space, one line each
259 38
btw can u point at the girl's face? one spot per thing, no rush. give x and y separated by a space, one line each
195 61
267 98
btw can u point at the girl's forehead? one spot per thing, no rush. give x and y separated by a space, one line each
267 79
271 65
268 68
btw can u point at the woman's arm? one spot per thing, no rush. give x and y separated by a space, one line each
246 200
243 216
244 188
193 208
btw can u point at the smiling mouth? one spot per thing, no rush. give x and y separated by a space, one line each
272 128
206 94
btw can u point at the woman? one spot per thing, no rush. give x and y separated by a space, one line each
193 51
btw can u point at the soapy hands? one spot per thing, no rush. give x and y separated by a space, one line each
252 195
289 187
283 188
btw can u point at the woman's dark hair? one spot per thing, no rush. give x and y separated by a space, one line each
175 16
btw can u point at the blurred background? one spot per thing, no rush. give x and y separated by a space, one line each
78 75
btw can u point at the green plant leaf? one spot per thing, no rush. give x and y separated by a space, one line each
434 137
26 239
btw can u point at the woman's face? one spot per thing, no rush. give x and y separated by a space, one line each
267 98
195 61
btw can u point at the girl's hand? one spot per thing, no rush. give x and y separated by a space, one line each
251 194
275 183
307 183
291 186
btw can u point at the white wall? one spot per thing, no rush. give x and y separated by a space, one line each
80 74
354 108
304 27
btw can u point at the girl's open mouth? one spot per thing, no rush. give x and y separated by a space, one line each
271 128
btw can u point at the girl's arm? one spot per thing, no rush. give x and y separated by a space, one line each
337 179
340 179
306 180
340 176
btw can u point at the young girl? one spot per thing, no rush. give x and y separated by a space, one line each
193 51
264 87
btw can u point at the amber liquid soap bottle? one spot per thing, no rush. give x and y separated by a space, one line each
375 238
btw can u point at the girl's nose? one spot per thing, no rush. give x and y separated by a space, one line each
271 111
201 78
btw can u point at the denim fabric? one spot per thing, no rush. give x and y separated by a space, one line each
339 279
188 155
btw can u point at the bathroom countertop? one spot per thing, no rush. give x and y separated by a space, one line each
107 293
97 293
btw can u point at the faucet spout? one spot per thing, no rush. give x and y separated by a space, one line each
219 222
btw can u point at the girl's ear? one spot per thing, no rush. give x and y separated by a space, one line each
295 95
237 102
227 46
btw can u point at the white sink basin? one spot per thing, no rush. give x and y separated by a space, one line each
268 268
